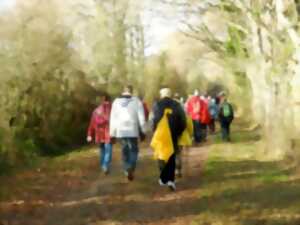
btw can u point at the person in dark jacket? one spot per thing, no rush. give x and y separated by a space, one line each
177 124
226 116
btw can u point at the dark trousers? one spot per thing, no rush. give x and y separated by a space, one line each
197 131
212 126
225 130
179 159
167 169
203 129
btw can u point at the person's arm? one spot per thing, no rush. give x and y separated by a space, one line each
156 116
91 129
141 116
113 120
232 112
182 123
106 113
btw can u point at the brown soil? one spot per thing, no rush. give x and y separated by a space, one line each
73 191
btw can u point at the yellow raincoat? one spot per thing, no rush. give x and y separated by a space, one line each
186 137
161 142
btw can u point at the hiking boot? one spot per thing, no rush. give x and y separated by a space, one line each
171 186
130 175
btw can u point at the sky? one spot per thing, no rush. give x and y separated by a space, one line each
4 4
160 23
157 34
158 27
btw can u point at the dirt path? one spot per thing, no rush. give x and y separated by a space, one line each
72 191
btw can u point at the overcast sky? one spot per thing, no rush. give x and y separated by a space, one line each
4 4
160 24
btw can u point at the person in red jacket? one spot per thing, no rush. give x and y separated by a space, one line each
204 117
193 108
98 131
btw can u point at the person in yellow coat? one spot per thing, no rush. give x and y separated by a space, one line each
169 122
185 139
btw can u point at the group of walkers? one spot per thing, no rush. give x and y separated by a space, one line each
175 124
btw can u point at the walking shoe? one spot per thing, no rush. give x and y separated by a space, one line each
161 183
178 173
105 171
130 175
171 186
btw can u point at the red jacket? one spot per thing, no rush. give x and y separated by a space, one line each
99 123
198 110
146 111
193 107
204 114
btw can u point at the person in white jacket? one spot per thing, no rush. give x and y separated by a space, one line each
127 124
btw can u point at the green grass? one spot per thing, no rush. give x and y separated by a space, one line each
238 188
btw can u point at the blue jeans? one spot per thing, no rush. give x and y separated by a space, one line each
105 155
130 151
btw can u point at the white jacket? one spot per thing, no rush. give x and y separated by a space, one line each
127 118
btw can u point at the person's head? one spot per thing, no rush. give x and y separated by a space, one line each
104 97
182 99
141 97
177 96
196 92
222 97
165 92
128 90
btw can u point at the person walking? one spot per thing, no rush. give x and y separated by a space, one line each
214 112
98 131
184 142
193 109
226 116
127 124
181 143
169 122
204 117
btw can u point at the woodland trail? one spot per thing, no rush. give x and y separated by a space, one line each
71 190
223 184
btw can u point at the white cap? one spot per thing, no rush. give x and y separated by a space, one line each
165 92
196 92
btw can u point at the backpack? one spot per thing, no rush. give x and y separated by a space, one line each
226 110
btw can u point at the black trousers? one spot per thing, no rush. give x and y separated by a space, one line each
167 170
212 126
203 131
197 131
225 130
